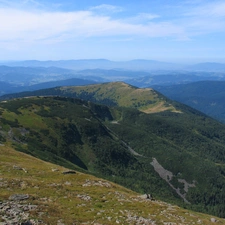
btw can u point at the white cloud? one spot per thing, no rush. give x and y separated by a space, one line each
212 9
20 4
28 26
33 2
205 18
142 18
147 16
39 26
105 8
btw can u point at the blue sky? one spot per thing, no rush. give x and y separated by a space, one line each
166 30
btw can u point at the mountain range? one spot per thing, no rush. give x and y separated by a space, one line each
135 137
136 64
17 79
80 64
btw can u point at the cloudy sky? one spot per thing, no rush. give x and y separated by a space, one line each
166 30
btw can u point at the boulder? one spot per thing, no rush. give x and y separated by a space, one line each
69 172
18 197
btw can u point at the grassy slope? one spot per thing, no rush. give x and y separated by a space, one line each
60 197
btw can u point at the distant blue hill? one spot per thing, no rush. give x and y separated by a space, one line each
7 88
138 64
50 84
21 75
205 96
208 66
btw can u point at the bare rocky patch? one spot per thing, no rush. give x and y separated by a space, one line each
17 210
168 176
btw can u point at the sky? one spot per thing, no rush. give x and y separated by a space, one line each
184 31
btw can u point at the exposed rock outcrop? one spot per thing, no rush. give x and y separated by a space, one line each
16 211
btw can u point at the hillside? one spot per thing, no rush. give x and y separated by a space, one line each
113 94
205 96
177 157
36 192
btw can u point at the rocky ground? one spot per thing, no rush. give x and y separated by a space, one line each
18 211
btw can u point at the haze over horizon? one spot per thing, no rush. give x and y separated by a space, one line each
190 31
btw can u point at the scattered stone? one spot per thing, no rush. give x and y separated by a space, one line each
213 220
24 170
55 170
133 219
59 222
100 183
44 199
32 207
54 185
18 197
23 185
3 183
17 168
67 183
147 196
69 172
81 205
84 197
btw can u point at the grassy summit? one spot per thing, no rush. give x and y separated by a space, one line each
121 94
112 94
